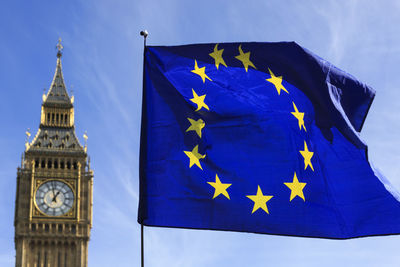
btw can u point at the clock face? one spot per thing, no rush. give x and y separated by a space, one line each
54 198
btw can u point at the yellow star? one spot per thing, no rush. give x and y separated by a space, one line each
217 56
199 101
201 72
307 155
245 58
219 187
277 81
296 188
195 157
260 201
196 126
299 116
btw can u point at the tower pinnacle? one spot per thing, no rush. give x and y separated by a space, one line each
59 47
57 127
57 94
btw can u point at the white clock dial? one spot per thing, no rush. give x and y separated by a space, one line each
54 198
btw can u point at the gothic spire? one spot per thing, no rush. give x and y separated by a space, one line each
56 131
57 94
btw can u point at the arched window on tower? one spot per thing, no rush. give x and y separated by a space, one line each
62 118
52 117
66 119
43 164
49 164
55 164
48 117
57 118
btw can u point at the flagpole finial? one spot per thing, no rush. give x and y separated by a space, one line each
144 33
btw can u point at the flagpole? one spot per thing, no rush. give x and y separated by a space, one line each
142 243
144 34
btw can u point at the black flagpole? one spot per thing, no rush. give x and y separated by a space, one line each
144 34
142 243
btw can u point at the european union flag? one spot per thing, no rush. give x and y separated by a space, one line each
258 137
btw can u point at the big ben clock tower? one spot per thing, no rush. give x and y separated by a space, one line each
53 209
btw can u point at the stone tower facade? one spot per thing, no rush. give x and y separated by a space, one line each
53 208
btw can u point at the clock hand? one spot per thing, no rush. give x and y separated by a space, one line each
52 188
55 197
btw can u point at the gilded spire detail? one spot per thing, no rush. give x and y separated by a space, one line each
57 93
56 131
60 48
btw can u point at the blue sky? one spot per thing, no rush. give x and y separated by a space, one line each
102 64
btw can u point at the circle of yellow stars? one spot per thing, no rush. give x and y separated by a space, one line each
221 189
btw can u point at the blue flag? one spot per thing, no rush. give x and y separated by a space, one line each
258 137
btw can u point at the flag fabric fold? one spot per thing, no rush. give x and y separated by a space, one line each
258 137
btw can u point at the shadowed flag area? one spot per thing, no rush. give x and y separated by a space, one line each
258 137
